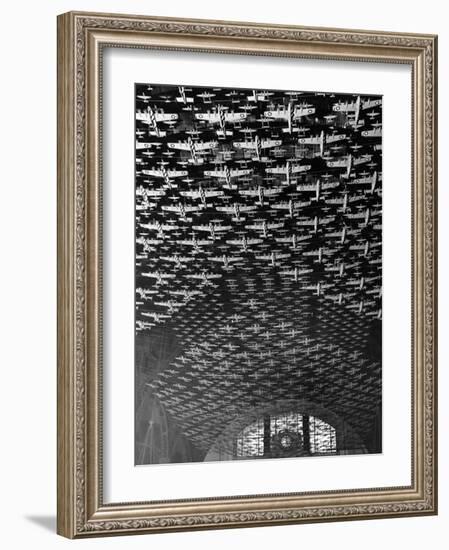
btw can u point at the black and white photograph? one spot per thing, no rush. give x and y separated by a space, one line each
258 274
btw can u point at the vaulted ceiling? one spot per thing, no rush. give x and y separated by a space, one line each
258 252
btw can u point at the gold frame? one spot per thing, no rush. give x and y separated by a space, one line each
81 37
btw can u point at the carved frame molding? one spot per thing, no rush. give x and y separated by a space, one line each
81 37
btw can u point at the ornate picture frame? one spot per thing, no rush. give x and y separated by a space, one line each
82 39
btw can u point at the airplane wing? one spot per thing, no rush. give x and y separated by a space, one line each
156 117
180 99
234 259
283 239
145 145
205 145
215 173
274 225
191 194
237 173
303 111
276 114
150 274
249 192
335 137
244 144
362 160
156 173
211 117
356 216
306 187
155 192
166 304
201 227
339 163
276 170
272 191
315 140
164 117
375 132
367 179
267 143
235 117
301 168
150 225
344 107
336 234
179 145
371 103
194 242
177 173
329 185
144 117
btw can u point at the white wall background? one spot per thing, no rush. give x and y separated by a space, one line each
28 272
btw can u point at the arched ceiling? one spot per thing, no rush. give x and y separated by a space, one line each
225 356
258 252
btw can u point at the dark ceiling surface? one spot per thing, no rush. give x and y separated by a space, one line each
258 252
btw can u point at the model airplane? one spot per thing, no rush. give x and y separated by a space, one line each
244 242
257 145
202 194
260 192
236 209
205 277
290 114
182 210
221 116
273 257
161 278
227 261
264 226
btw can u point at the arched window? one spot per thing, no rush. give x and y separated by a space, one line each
287 434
